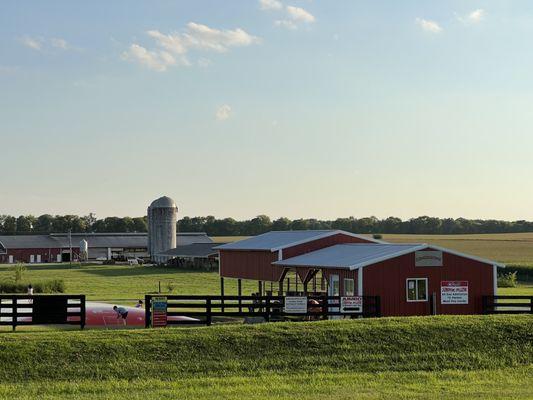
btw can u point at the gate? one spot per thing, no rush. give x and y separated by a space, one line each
202 309
19 309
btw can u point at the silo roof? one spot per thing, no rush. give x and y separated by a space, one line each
163 202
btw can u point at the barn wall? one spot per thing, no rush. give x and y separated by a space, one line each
320 244
256 265
343 274
23 255
388 280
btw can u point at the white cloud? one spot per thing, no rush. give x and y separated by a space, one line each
32 43
428 25
223 112
195 37
59 43
285 23
299 14
473 17
270 5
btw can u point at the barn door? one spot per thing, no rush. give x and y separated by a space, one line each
334 290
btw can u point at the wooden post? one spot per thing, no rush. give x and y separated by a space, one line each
280 288
260 287
239 293
314 283
296 280
15 312
221 293
208 320
147 311
82 311
288 285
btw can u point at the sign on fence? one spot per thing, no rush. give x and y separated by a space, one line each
159 311
352 304
296 305
454 292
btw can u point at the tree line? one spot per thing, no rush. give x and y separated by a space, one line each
28 224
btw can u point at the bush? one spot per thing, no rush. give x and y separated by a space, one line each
524 273
377 236
507 280
52 286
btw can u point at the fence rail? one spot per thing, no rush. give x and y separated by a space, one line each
202 309
507 304
19 309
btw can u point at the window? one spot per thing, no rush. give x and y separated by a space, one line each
349 287
417 289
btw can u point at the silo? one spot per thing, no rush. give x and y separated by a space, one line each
162 219
84 250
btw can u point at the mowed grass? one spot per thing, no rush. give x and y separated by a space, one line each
127 284
429 357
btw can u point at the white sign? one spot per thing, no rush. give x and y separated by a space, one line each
352 304
428 258
296 305
454 292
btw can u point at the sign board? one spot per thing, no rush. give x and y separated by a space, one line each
296 304
352 304
159 311
454 292
428 258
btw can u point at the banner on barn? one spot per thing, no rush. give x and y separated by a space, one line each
454 292
352 304
428 258
296 305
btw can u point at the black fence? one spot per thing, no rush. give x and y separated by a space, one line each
507 304
198 309
19 309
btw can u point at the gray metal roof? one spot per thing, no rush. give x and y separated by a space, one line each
163 202
277 240
350 256
2 249
95 240
195 250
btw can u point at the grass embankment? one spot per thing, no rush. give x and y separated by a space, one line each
405 357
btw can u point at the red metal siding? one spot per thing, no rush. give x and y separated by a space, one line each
388 280
343 274
320 244
23 255
256 265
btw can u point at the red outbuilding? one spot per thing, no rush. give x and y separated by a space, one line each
410 279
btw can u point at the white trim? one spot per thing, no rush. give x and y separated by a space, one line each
416 290
388 256
360 281
457 253
495 279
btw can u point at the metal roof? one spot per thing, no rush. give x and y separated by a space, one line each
351 255
195 250
354 255
95 240
163 202
277 240
2 249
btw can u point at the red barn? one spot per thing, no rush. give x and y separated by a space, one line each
405 276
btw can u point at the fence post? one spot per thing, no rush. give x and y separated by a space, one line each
325 304
208 319
484 305
15 312
147 310
82 311
378 306
267 313
531 305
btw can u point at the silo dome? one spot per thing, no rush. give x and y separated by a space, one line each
162 220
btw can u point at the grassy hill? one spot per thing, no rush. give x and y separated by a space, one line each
408 357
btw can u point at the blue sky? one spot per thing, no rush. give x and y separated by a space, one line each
289 108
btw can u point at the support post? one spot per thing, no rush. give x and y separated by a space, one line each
280 288
208 320
260 288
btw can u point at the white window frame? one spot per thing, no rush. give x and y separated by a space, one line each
353 286
416 290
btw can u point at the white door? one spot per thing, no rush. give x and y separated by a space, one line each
334 290
11 259
38 258
59 258
32 259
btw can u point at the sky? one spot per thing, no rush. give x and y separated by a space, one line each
296 108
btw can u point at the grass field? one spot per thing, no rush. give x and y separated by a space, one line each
445 357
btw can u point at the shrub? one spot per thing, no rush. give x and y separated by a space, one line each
18 271
524 273
52 286
507 280
377 236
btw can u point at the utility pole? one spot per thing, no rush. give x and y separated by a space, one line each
70 245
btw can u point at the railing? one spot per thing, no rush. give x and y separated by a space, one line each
507 304
19 309
199 309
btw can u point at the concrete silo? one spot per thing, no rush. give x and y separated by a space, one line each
162 218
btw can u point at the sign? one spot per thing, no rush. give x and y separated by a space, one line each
352 304
428 258
296 305
159 311
454 292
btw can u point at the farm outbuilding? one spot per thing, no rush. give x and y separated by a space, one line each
410 279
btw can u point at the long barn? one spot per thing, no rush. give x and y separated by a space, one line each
410 279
